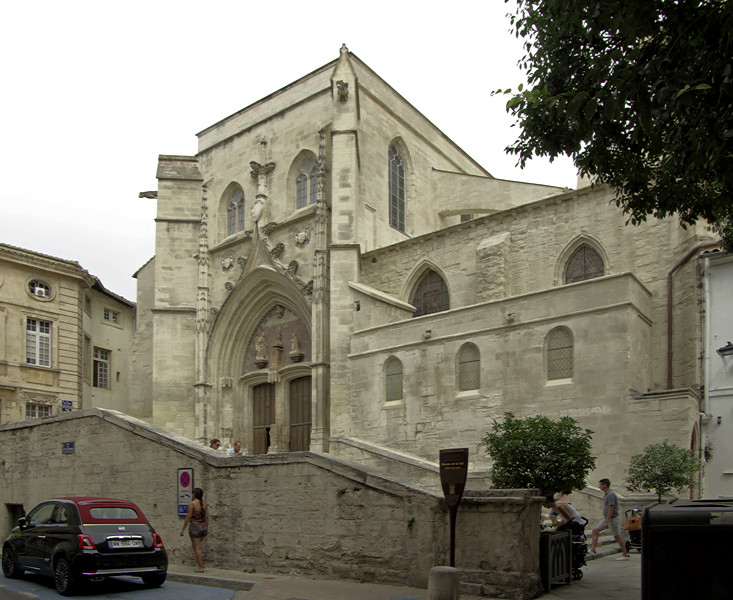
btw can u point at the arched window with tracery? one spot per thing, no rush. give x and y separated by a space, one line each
393 379
306 183
396 189
559 350
469 368
430 295
584 263
235 211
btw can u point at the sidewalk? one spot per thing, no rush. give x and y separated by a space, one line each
263 586
604 578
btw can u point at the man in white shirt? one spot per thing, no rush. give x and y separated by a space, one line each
237 450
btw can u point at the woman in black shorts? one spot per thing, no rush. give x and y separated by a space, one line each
197 521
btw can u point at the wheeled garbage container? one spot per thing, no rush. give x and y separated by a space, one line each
687 550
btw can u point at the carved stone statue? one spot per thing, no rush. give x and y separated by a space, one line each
261 351
257 209
276 352
295 354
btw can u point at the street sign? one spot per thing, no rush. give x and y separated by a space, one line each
185 485
453 472
68 447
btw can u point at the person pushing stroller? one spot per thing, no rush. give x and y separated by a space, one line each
570 519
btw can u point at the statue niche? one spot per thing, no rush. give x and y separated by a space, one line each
279 339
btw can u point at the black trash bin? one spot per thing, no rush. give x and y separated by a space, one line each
687 550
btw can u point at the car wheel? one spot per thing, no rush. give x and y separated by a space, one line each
63 578
10 564
153 580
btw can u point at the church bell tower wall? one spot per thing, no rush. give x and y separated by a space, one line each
343 268
178 223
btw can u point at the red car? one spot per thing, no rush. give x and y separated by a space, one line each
85 539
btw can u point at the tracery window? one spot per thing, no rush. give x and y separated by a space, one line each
396 189
584 263
431 295
235 212
559 354
306 184
393 379
469 368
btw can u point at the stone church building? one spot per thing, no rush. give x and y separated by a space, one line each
333 273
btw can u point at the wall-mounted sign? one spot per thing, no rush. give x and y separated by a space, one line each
66 405
68 447
185 485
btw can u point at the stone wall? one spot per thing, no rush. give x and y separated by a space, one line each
288 513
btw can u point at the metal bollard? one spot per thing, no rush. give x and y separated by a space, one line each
443 584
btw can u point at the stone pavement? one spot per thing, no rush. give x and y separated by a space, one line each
604 578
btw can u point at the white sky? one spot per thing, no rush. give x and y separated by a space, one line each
93 92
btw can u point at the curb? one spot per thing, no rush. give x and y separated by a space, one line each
210 581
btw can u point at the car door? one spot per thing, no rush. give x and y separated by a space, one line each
31 551
59 533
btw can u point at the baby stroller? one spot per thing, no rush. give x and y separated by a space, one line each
579 548
633 526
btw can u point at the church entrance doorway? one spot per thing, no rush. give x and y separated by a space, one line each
300 414
263 416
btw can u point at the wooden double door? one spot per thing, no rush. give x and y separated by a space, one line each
264 415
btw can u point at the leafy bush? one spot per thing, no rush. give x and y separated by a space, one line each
537 452
662 467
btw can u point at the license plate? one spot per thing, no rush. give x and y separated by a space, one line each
125 543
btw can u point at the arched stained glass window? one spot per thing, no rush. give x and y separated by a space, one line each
469 368
585 263
396 189
393 379
235 212
306 184
560 354
301 190
431 295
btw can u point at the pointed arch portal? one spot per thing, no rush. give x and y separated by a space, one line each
259 365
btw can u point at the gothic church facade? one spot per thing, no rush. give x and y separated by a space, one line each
332 273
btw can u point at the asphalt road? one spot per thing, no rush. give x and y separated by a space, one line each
113 588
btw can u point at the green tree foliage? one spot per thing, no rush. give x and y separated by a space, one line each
537 452
660 469
639 94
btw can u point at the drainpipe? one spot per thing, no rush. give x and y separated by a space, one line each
706 335
682 261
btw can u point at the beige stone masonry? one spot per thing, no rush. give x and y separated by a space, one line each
289 513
